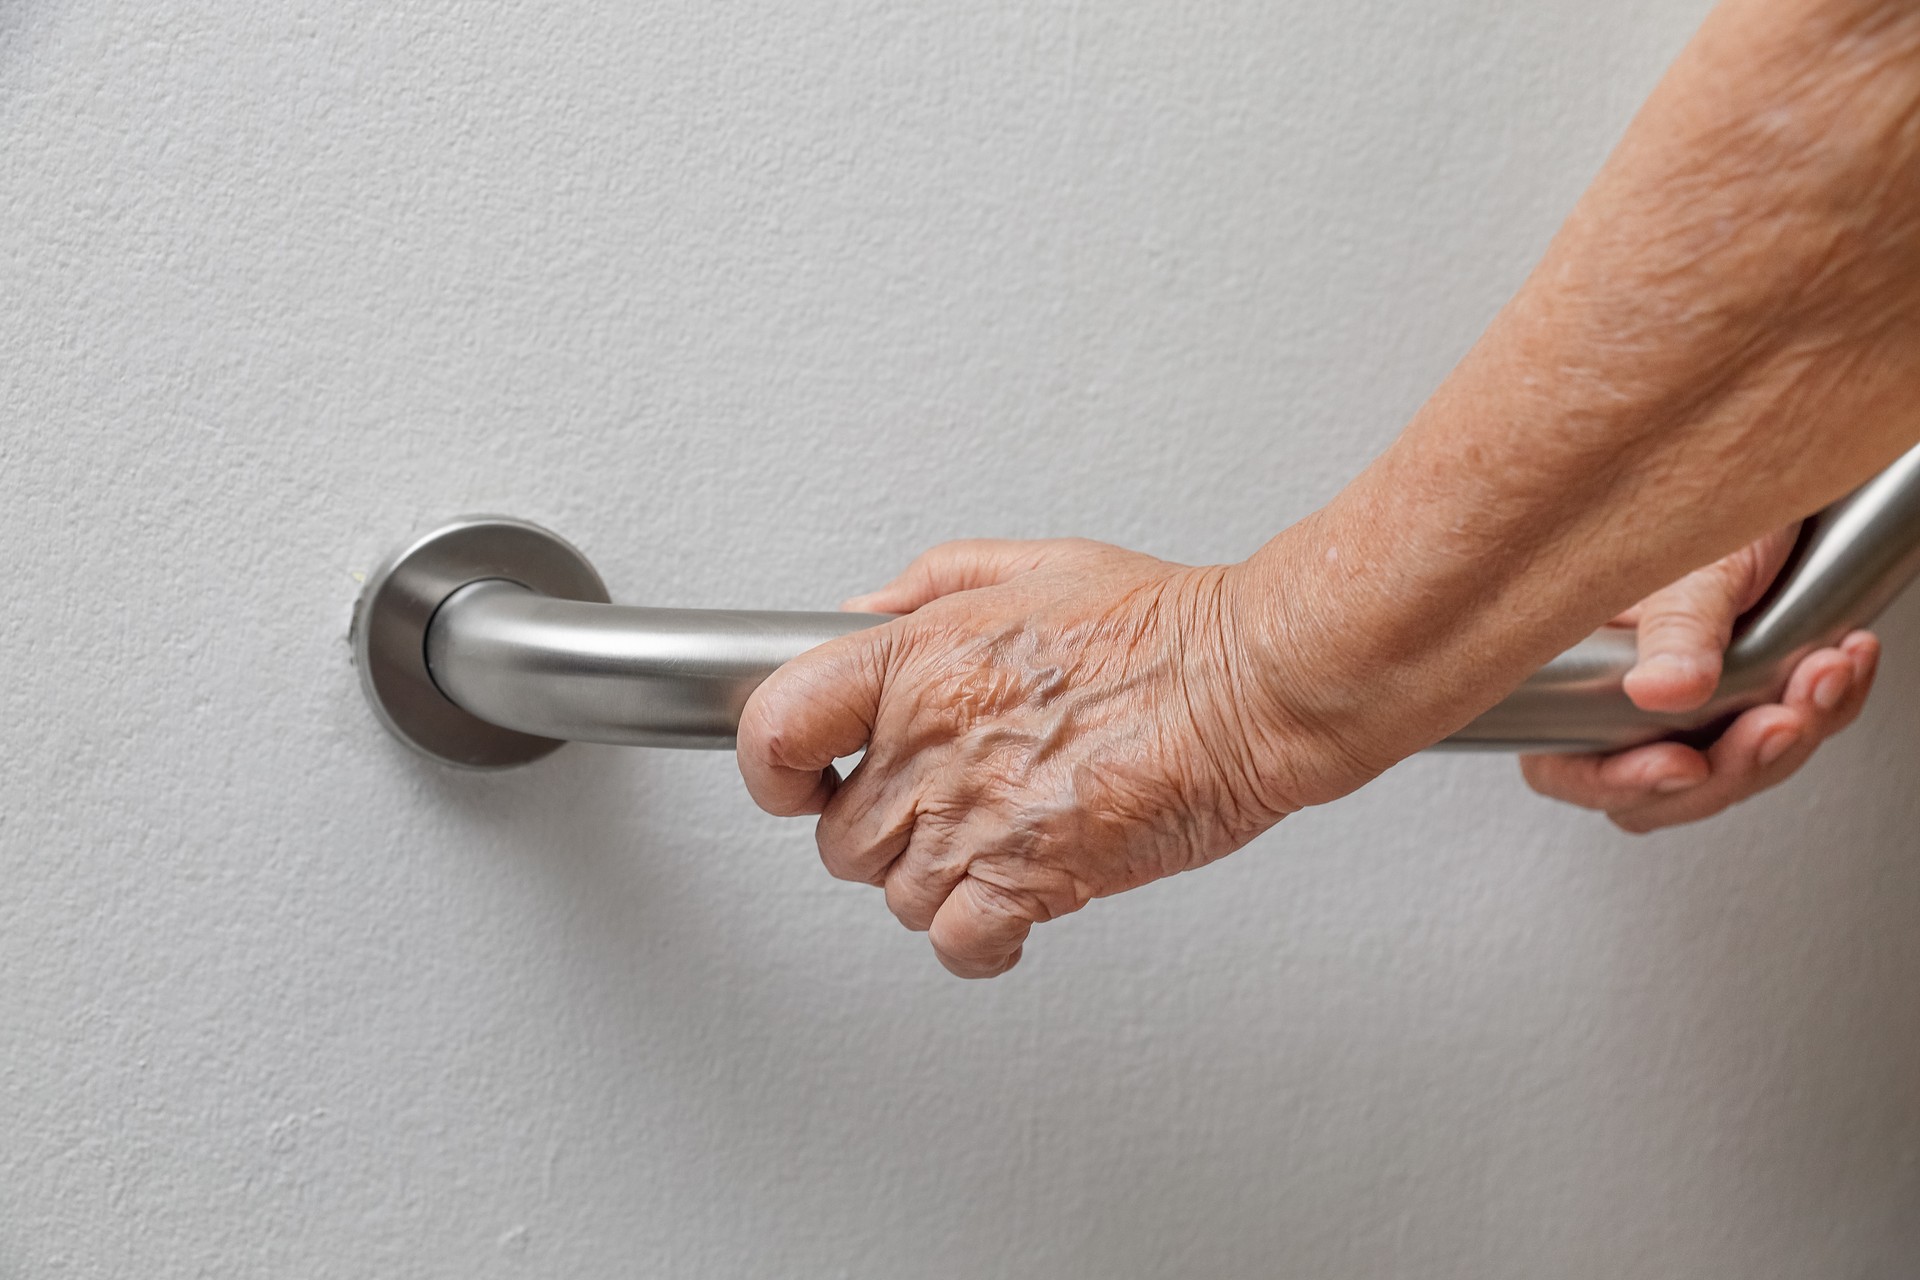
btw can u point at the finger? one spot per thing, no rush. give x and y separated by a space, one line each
1831 685
1684 628
811 712
1614 781
1761 749
1827 691
1863 652
1684 631
979 930
1823 686
867 823
954 566
925 875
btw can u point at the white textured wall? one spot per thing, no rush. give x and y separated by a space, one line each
753 302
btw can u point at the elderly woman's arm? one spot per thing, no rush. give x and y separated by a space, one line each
1719 341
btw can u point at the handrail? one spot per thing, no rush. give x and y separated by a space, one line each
1852 560
489 641
614 673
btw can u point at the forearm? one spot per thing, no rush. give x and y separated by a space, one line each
1720 339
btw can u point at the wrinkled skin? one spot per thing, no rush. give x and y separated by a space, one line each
1079 722
1683 633
1718 341
1060 721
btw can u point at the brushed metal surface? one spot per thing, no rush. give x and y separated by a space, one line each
488 642
398 602
614 673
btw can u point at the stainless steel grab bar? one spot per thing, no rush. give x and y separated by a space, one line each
488 642
614 673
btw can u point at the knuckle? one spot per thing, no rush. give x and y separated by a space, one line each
959 551
763 733
782 807
1741 570
909 903
1539 773
1005 903
847 857
1552 778
1545 788
1675 620
835 855
962 967
1635 824
1727 582
941 551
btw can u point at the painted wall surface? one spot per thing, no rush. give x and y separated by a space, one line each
753 302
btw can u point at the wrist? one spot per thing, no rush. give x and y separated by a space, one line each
1319 668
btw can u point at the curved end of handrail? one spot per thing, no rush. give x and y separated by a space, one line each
619 674
1852 560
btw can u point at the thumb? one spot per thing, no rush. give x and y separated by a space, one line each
1684 629
816 709
957 566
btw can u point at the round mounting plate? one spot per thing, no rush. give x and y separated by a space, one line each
397 605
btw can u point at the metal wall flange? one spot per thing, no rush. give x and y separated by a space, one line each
396 609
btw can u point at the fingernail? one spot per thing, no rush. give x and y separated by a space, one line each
1775 745
1830 688
1667 786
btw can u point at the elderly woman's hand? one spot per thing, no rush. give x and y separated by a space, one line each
1083 720
1741 281
1684 630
